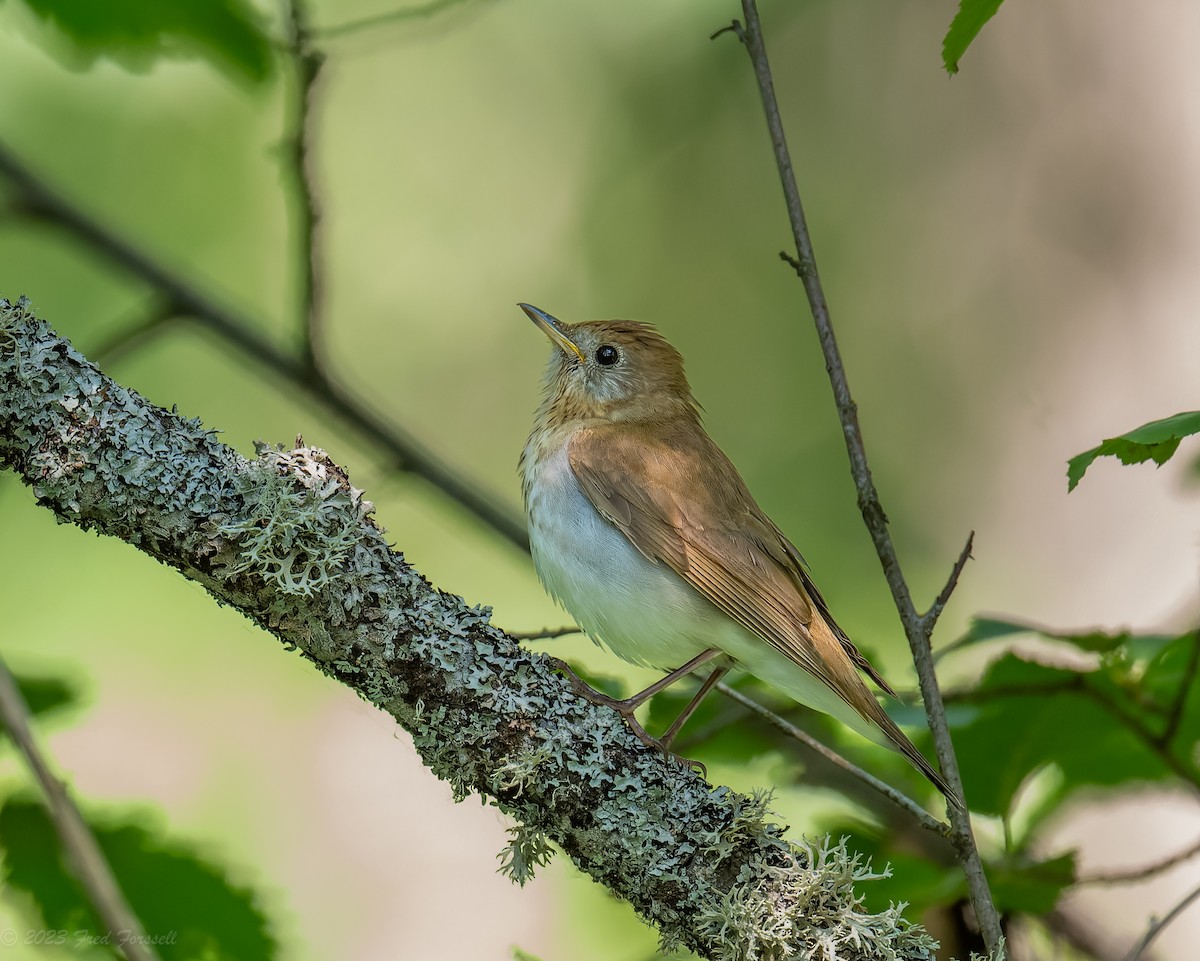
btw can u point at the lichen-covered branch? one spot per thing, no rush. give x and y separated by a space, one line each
290 543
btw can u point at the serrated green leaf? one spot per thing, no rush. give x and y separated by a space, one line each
1156 441
138 33
971 16
184 901
1030 715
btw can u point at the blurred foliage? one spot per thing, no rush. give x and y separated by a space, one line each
964 28
1033 733
1156 441
136 34
47 693
187 906
1104 712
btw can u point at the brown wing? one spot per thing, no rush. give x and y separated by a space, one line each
681 502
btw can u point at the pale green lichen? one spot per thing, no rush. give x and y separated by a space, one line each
527 850
769 910
302 520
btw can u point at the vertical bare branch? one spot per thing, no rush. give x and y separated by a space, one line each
916 628
83 853
306 213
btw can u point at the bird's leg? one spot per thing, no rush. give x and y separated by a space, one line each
627 706
694 703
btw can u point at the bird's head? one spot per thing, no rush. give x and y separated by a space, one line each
612 369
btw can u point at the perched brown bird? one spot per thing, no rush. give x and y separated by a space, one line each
645 532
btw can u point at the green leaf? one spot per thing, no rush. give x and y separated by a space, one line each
971 16
138 33
1156 441
1030 887
46 694
985 629
1031 715
184 901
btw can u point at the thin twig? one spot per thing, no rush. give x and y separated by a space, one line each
1146 871
544 634
868 497
930 617
1185 684
238 332
83 853
306 212
897 797
151 319
392 16
1157 924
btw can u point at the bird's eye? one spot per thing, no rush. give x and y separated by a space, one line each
606 355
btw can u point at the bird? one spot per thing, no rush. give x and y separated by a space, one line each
645 532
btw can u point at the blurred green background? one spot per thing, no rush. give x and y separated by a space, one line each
1009 256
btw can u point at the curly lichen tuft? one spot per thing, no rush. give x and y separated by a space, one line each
527 850
769 910
302 521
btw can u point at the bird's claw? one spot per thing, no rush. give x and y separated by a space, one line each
626 709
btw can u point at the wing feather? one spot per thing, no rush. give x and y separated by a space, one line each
712 533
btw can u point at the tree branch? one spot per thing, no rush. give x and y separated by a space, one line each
915 628
307 62
1130 875
1158 924
409 454
287 541
1185 685
83 853
419 12
896 796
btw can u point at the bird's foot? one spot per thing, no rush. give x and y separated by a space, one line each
625 708
664 746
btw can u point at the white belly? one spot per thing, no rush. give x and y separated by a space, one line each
643 611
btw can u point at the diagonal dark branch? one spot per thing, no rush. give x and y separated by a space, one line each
239 332
1131 875
1175 714
868 497
1157 925
150 318
399 15
545 634
83 854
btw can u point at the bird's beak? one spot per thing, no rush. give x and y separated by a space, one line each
551 326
